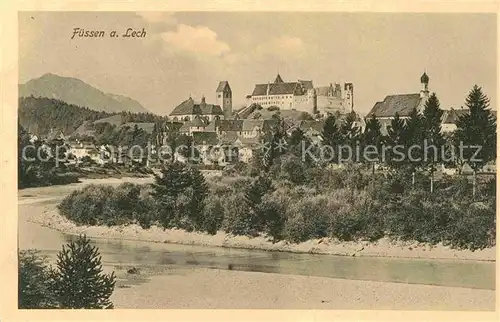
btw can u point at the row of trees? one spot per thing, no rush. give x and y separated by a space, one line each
40 115
477 128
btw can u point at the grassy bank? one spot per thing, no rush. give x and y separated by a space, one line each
344 205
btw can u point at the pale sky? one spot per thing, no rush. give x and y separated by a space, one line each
187 53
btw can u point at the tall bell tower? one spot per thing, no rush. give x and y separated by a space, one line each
424 81
224 98
349 97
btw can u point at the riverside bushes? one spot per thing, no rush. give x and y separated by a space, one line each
347 204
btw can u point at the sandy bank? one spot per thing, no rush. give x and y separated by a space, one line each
220 289
382 248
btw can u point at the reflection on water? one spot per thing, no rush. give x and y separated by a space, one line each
433 272
118 252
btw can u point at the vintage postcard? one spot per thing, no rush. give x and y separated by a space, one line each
247 159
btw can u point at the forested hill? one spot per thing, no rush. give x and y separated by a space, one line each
39 115
75 91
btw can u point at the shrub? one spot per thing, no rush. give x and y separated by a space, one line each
273 108
213 215
475 228
306 219
101 204
238 217
273 213
35 281
86 206
292 169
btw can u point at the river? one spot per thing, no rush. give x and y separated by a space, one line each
157 259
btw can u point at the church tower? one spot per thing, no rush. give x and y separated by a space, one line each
349 97
224 98
424 80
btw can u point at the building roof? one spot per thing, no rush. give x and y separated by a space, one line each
185 127
197 122
205 138
306 84
222 86
392 104
278 79
249 125
189 107
229 125
228 138
250 142
325 90
277 89
452 115
312 125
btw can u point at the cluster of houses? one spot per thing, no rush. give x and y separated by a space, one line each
222 136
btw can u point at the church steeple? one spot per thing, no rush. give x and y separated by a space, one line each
424 80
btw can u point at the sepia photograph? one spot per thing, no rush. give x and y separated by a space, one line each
256 160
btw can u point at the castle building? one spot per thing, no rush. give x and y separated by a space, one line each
332 99
292 95
303 96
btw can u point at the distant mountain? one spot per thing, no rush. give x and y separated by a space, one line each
74 91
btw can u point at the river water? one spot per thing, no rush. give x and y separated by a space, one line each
116 253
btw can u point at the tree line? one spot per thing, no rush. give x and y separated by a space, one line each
475 128
41 115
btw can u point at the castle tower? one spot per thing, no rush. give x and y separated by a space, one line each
224 98
314 102
424 80
349 97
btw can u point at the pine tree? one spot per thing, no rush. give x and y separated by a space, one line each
331 136
200 191
373 137
275 146
297 142
350 133
477 129
395 137
79 281
413 137
431 121
254 194
174 179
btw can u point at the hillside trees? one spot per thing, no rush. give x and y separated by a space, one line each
372 137
431 127
477 131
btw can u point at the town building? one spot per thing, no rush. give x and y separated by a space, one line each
196 125
449 119
224 98
402 104
189 109
303 96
